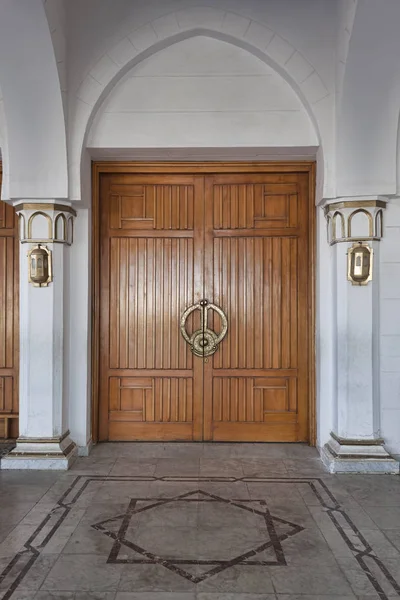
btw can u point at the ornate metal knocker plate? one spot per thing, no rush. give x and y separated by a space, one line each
204 341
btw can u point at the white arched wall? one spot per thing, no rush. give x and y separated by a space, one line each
35 153
202 93
367 114
3 150
161 32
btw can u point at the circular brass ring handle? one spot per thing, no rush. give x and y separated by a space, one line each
204 341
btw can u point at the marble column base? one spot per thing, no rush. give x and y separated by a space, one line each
341 455
48 454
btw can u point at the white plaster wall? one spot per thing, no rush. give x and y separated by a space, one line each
390 327
78 343
3 150
367 117
202 92
325 335
37 149
56 13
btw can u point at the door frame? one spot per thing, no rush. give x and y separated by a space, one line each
198 168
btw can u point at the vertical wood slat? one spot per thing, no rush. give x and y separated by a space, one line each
123 302
115 393
158 407
258 305
6 394
114 326
267 320
293 302
8 302
276 303
285 307
3 303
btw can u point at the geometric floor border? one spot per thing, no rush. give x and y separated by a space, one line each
367 559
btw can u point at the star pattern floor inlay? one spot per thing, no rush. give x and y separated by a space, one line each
237 528
262 548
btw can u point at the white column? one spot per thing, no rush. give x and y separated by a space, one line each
356 444
43 441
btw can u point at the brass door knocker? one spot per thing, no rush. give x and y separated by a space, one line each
204 341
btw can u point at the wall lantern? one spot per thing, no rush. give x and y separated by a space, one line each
40 266
359 263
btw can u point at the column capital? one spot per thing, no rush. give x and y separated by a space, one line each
45 221
355 218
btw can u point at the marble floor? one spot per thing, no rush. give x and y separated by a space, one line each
199 522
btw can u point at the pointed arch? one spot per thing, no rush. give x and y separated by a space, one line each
170 29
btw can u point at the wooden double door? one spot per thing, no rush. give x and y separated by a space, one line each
240 241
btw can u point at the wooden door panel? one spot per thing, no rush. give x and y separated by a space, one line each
253 399
9 336
152 245
248 205
160 207
256 232
151 284
255 282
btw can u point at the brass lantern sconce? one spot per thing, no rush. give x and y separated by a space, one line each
359 263
40 266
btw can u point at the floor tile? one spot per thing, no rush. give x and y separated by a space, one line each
38 572
86 540
178 466
127 466
380 543
263 468
385 517
239 579
75 596
394 536
152 578
20 595
155 596
171 514
212 466
309 580
233 596
83 572
313 597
